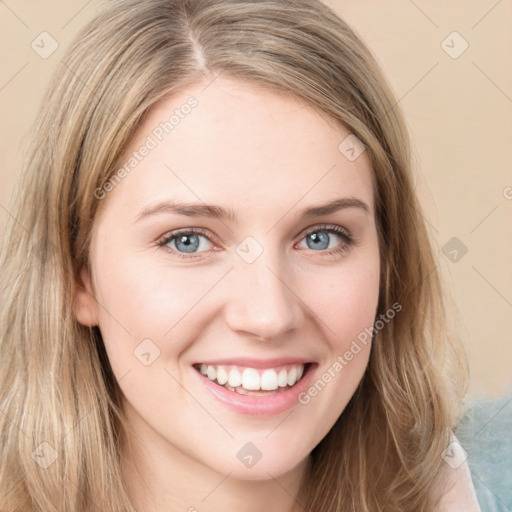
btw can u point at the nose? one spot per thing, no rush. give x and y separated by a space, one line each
262 301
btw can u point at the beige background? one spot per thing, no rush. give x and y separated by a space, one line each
459 111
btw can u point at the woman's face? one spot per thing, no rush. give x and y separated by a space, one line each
253 291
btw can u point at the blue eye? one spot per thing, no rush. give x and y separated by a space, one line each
186 243
320 238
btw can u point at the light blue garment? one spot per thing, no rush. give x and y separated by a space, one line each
485 432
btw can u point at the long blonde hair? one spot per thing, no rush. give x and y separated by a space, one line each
61 419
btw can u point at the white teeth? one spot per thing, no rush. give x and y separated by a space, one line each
269 380
211 373
235 378
251 379
222 376
282 379
292 376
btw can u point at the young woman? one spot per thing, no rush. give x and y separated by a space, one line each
218 290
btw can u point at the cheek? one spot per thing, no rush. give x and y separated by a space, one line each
346 301
357 304
141 302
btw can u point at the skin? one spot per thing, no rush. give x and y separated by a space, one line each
455 489
266 156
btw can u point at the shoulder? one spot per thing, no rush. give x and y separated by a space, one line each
453 485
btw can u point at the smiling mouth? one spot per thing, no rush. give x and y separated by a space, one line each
252 381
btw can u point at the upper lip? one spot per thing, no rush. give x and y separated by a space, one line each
250 362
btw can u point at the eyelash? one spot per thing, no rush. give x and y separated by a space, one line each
348 239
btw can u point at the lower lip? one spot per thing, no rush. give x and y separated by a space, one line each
266 405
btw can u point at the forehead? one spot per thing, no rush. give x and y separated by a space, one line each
241 145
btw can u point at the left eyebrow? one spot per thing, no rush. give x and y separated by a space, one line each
218 212
333 206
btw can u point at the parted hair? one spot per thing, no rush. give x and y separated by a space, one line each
56 384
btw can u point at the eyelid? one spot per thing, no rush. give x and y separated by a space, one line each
319 227
185 231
